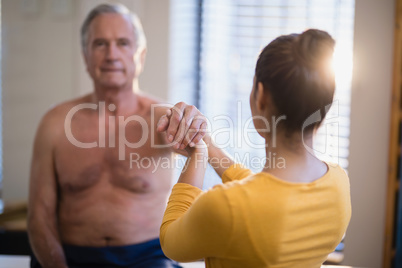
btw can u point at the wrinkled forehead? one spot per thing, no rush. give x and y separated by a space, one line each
111 26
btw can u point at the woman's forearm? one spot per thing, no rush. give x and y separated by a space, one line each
194 170
217 157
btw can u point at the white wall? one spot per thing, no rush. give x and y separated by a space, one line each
37 72
42 66
370 122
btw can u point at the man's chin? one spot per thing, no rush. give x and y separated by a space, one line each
113 84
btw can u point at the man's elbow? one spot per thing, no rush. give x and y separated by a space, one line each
37 221
33 225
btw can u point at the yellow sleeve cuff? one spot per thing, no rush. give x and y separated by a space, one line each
184 192
235 172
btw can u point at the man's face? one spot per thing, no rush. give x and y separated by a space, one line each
111 56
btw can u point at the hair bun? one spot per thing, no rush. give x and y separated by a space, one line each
314 48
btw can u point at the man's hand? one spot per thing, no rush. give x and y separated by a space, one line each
184 125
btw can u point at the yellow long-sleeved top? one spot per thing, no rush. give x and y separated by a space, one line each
257 220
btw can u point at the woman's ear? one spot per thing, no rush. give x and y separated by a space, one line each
261 97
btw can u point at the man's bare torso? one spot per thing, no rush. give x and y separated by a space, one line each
104 200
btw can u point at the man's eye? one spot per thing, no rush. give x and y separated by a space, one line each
124 43
100 43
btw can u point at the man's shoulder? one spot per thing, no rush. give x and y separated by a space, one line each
149 100
153 104
61 109
56 114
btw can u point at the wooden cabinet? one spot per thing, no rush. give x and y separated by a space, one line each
393 224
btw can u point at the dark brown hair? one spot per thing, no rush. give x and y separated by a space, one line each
295 69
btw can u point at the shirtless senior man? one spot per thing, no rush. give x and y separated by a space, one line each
89 206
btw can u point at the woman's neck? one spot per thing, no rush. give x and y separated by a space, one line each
291 159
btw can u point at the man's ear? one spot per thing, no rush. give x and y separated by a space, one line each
84 56
140 60
142 57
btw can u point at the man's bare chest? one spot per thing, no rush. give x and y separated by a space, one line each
131 161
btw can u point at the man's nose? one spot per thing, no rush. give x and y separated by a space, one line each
112 52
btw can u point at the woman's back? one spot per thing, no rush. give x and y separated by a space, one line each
286 224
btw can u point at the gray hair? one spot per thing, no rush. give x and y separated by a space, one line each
113 9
